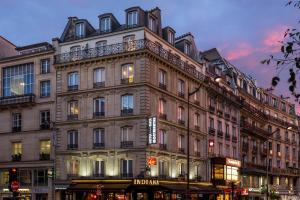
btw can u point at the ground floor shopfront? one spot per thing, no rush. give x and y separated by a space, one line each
135 189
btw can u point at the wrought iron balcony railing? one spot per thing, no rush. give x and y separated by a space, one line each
163 86
44 156
119 48
127 111
16 157
126 144
211 131
98 114
45 126
99 145
16 129
73 117
163 146
72 146
17 99
99 84
72 87
162 116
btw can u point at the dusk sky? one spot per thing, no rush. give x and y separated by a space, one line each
245 31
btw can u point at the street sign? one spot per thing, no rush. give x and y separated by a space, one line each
15 185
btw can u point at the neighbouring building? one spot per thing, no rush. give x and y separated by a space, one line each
26 110
7 48
121 110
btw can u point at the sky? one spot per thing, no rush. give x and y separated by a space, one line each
244 31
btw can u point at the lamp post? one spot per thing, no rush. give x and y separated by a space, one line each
268 150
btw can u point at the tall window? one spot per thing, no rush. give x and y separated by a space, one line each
180 113
80 30
196 119
227 129
181 169
187 48
126 168
125 133
162 79
211 122
127 104
161 106
73 110
40 177
17 148
18 80
16 122
127 74
162 137
180 87
180 139
99 140
197 146
132 18
45 66
105 24
72 139
45 149
73 81
234 155
99 77
152 24
233 131
99 168
220 149
99 107
101 47
129 44
219 126
171 37
45 88
73 167
45 119
162 168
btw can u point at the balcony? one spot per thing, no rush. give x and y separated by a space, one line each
98 114
197 128
99 145
126 144
162 86
127 112
44 156
181 150
98 175
234 139
73 117
227 116
220 134
181 94
212 109
99 84
16 157
17 100
227 136
163 147
181 122
72 88
16 129
197 153
252 129
122 48
126 81
211 131
162 116
45 126
127 175
72 146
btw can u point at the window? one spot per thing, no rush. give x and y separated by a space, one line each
227 150
101 47
40 177
227 129
218 171
129 44
181 87
162 79
278 164
161 106
132 18
275 102
45 66
162 168
232 173
187 48
269 128
73 167
105 24
180 113
162 137
99 140
181 169
45 88
283 106
196 120
73 81
278 148
125 133
197 146
180 141
99 107
72 139
99 77
126 166
127 74
220 149
16 122
211 122
18 80
73 110
99 168
45 148
234 152
152 24
79 30
219 125
17 148
171 37
233 131
127 104
45 119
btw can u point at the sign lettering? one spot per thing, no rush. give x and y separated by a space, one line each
145 182
152 130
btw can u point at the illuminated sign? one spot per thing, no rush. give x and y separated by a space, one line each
254 190
145 182
152 130
211 143
151 161
232 162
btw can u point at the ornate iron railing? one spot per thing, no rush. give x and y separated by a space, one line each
119 48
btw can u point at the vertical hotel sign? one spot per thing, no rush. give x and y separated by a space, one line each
152 126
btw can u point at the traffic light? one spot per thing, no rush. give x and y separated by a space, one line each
93 196
13 176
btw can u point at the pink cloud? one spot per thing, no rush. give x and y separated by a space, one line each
272 39
242 49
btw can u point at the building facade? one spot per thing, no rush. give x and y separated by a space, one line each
27 109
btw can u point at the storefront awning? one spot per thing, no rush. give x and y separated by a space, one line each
93 187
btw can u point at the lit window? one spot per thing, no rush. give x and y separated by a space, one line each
45 88
73 79
105 24
180 113
73 107
127 73
181 169
45 66
16 148
73 167
196 119
45 147
129 43
132 18
79 30
232 173
161 106
218 172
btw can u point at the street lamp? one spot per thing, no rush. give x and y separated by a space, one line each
218 79
268 150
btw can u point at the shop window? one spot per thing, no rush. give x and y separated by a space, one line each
41 177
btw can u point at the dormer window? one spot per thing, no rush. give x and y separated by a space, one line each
171 37
80 30
152 24
187 48
132 18
105 24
